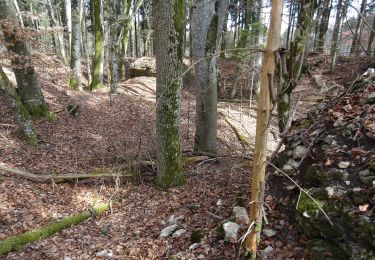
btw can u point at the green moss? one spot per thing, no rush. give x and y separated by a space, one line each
179 24
323 250
197 235
96 82
16 242
317 177
39 111
74 83
305 204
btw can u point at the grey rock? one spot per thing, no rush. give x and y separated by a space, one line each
179 233
339 173
269 232
201 256
166 232
371 98
242 217
194 246
368 180
267 251
231 231
299 152
343 165
175 220
335 193
364 173
105 253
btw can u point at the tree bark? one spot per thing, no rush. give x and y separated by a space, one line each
27 80
19 110
370 44
75 58
296 59
323 26
98 60
356 38
58 36
207 26
263 117
169 35
68 24
336 37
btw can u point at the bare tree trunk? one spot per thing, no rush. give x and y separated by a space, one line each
370 48
356 38
263 117
169 36
68 24
58 36
27 79
206 34
75 57
323 26
336 37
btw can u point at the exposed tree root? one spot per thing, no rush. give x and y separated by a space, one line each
17 241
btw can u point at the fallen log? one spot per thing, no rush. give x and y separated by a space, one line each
243 140
56 177
16 242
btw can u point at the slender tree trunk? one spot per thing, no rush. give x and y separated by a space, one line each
58 36
68 24
336 37
263 117
242 43
19 110
296 59
97 66
323 27
206 34
169 35
136 47
27 79
86 48
370 48
223 40
356 38
114 47
75 57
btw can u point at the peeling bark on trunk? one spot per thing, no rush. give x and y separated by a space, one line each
169 35
27 80
206 34
263 117
20 112
75 58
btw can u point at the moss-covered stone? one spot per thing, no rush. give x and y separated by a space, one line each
317 176
323 250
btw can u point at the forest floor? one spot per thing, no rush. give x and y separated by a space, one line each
110 132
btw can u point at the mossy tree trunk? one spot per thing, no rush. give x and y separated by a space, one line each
98 60
75 57
114 45
27 79
19 110
207 25
223 39
296 59
169 18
